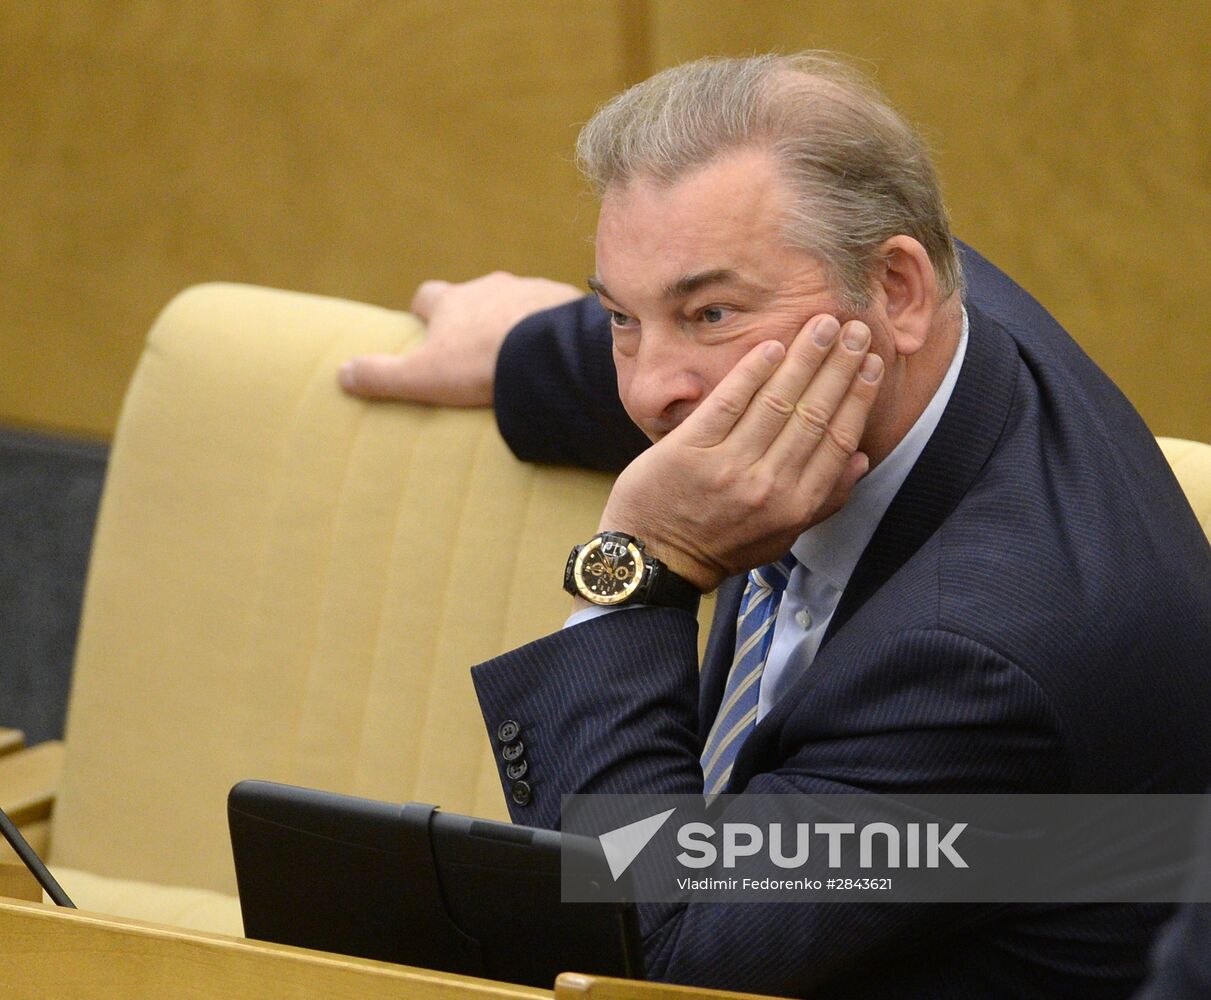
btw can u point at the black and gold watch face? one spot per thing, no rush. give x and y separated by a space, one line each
608 570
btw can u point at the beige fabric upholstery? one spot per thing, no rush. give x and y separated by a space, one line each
197 909
290 584
1191 462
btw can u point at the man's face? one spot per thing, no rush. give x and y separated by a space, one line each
695 275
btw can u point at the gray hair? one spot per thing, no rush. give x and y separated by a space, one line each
862 174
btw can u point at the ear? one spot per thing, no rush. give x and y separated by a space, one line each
905 286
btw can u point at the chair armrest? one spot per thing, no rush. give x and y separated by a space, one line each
29 779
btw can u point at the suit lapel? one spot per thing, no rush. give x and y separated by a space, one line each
953 457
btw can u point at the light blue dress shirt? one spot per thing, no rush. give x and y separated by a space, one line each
828 552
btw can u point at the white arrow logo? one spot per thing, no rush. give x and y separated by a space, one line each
623 845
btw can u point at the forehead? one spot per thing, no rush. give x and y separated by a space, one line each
728 215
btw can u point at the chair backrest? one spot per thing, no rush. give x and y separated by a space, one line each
290 584
1191 463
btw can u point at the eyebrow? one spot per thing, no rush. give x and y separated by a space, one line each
596 286
687 284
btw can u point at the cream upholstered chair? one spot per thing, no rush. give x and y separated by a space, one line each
289 584
1191 463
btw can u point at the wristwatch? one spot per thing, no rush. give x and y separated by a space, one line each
612 569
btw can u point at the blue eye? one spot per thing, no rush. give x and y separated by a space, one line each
619 319
714 314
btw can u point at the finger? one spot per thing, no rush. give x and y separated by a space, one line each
374 376
427 296
857 467
830 460
417 377
710 422
422 376
813 413
773 405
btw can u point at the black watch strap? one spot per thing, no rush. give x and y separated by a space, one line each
666 589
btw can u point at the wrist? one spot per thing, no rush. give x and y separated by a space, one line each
703 575
705 578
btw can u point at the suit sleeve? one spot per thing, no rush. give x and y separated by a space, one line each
556 393
610 706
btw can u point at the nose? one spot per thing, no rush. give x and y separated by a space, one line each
658 383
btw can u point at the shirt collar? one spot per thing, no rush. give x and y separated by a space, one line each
834 546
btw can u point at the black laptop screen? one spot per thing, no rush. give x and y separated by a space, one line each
416 886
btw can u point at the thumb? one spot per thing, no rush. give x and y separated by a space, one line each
381 376
425 375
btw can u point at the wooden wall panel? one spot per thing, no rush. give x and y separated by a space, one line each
335 147
1074 150
354 149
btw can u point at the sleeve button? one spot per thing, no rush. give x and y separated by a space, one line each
517 769
508 731
513 751
521 793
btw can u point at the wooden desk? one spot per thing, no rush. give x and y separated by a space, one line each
68 954
47 951
577 986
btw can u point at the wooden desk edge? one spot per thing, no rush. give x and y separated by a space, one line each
74 953
67 944
578 986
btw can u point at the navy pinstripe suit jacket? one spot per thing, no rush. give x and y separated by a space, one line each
1032 614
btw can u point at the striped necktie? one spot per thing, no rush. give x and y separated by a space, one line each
754 632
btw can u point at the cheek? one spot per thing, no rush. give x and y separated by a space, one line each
624 371
882 343
625 341
782 325
719 362
719 359
631 406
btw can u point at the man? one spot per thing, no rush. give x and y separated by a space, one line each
1179 956
1010 594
